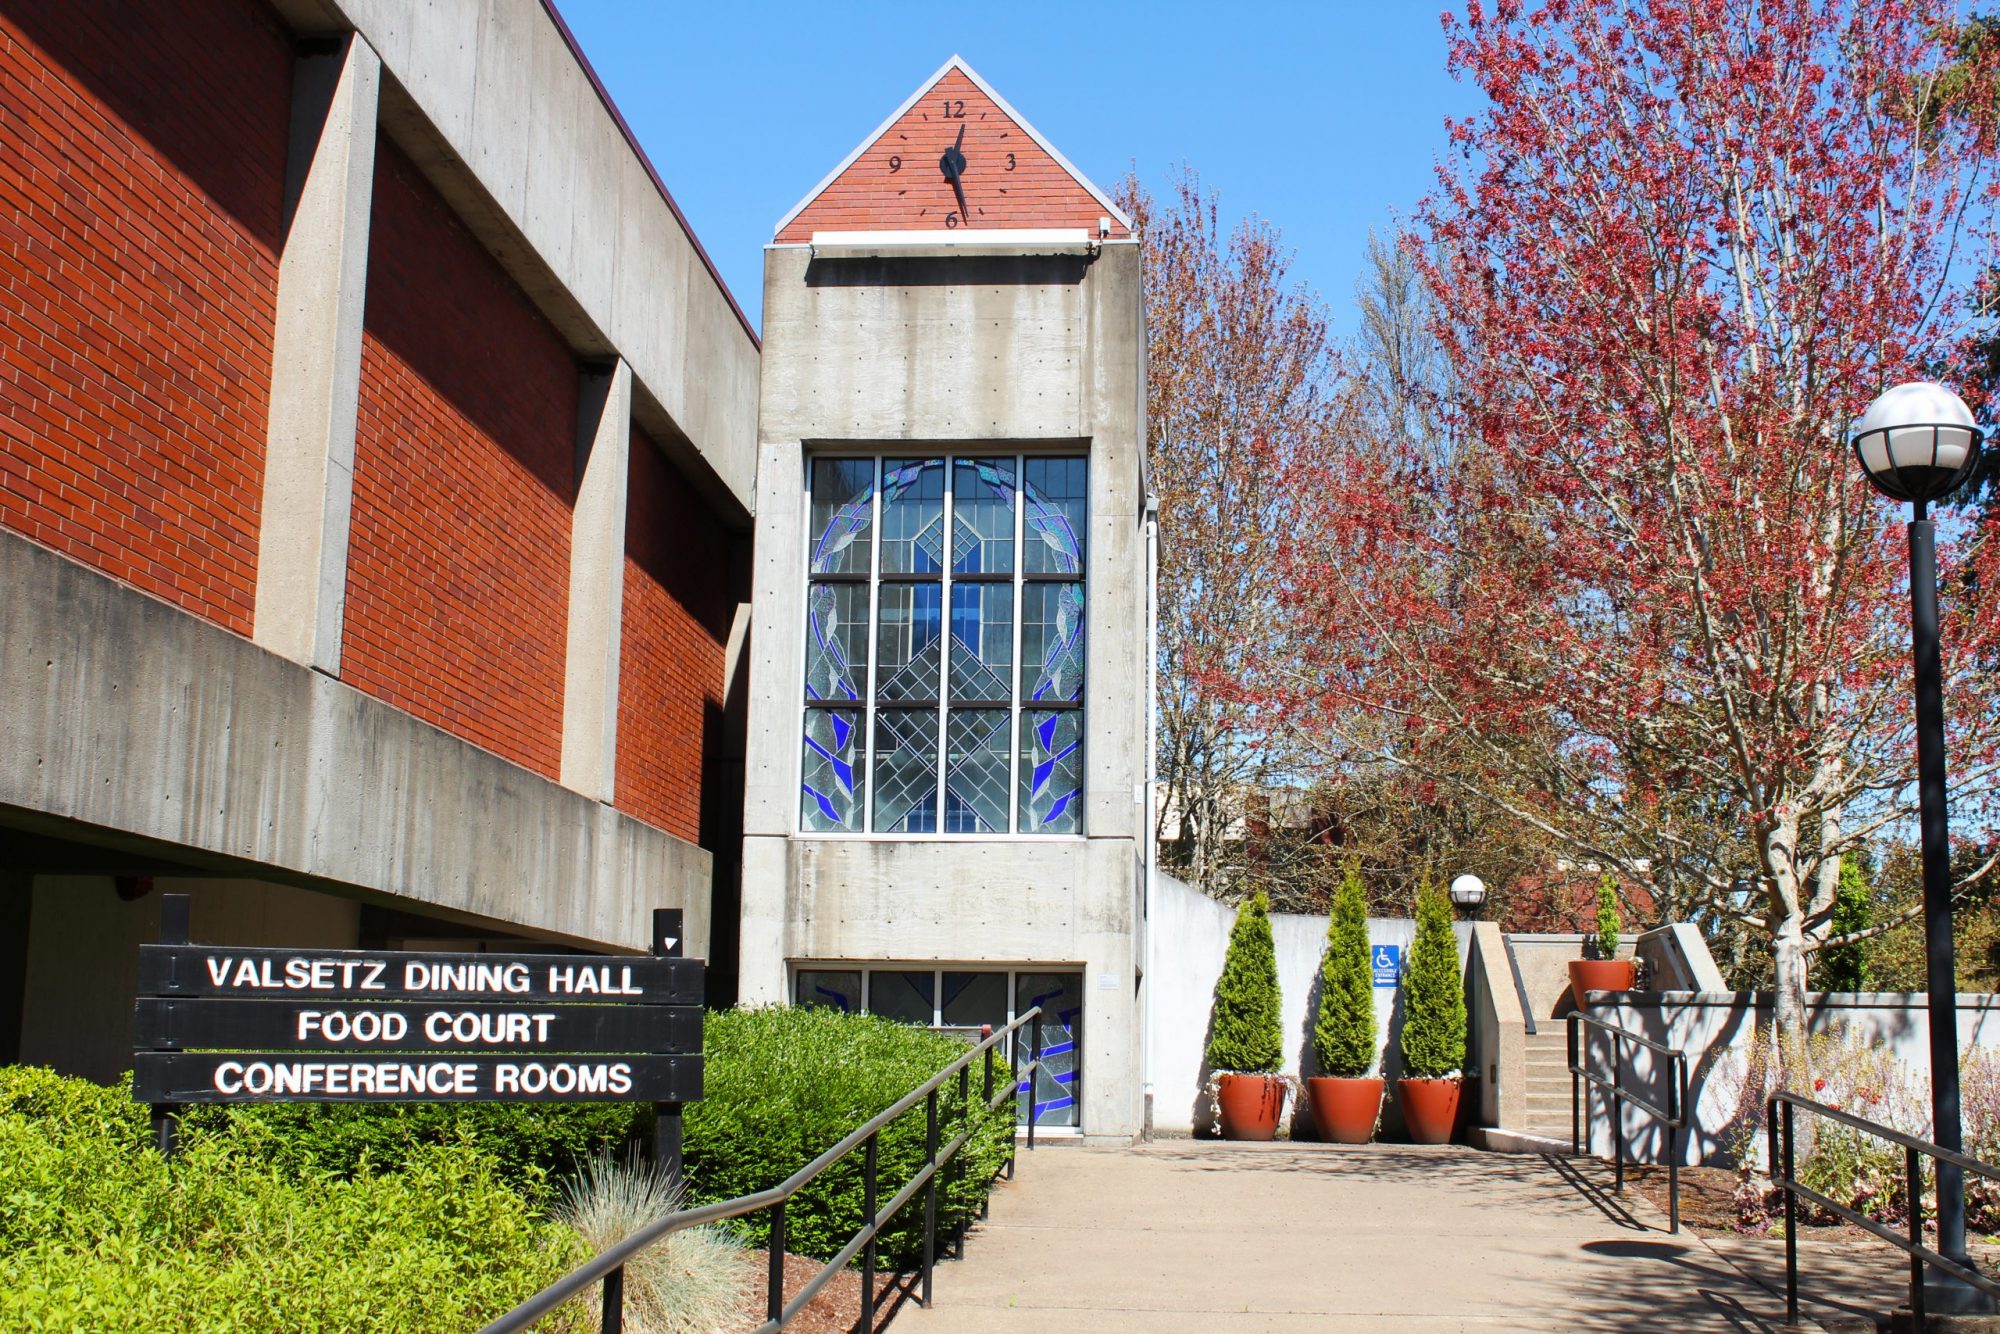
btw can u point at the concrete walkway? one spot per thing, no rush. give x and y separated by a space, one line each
1198 1235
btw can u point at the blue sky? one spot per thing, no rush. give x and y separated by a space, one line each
1326 119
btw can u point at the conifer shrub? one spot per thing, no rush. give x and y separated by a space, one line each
1344 1028
1845 967
1609 924
1247 1034
1433 1038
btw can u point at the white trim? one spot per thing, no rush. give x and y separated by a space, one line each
956 62
1006 240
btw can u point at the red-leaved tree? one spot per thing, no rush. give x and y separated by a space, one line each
1647 604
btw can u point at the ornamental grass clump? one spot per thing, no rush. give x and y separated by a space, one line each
1246 1035
1609 924
1344 1028
692 1282
1433 1039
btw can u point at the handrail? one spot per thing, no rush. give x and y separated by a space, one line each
1673 1116
1520 986
1782 1148
608 1266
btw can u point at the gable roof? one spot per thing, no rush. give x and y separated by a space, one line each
1046 192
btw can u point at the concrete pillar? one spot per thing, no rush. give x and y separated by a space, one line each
316 354
597 581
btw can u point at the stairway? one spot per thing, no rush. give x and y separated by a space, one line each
1548 1083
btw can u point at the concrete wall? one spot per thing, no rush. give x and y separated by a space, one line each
1716 1030
951 352
121 717
1190 934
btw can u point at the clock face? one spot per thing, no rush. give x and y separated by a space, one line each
951 160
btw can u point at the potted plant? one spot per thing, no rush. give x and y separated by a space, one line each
1433 1038
1345 1101
1601 969
1246 1039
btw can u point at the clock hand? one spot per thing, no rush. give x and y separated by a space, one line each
953 165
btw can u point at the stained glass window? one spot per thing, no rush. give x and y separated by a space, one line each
945 646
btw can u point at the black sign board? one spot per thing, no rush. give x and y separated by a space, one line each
171 1024
235 1024
268 974
185 1077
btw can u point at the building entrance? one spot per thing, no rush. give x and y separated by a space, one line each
968 998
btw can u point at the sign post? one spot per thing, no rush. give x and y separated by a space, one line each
667 942
226 1024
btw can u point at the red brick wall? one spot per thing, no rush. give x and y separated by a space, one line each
464 475
142 161
874 194
677 613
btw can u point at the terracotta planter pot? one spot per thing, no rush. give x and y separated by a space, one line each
1587 975
1251 1106
1430 1108
1345 1110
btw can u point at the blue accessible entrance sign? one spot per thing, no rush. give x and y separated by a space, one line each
1388 964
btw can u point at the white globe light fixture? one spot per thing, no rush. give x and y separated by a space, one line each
1917 443
1468 891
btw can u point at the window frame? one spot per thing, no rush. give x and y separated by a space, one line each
945 580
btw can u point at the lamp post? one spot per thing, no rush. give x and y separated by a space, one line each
1917 443
1468 891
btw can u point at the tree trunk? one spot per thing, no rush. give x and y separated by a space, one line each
1785 917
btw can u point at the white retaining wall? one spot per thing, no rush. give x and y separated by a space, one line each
1187 934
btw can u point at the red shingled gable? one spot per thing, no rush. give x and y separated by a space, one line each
895 183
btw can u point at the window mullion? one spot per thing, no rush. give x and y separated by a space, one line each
874 623
944 643
1014 709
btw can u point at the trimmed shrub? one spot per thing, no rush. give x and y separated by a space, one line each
1247 1035
1433 1039
99 1233
1609 924
784 1085
1344 1028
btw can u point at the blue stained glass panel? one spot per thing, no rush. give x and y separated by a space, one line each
1052 642
836 641
913 516
831 783
906 771
909 636
975 778
834 989
1051 773
1058 497
982 516
843 493
1058 1091
982 642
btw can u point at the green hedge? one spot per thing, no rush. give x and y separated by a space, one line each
784 1085
530 1145
99 1233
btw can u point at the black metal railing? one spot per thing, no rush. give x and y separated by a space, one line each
1520 988
1778 1126
1673 1116
608 1267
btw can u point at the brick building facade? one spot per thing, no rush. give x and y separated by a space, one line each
375 474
